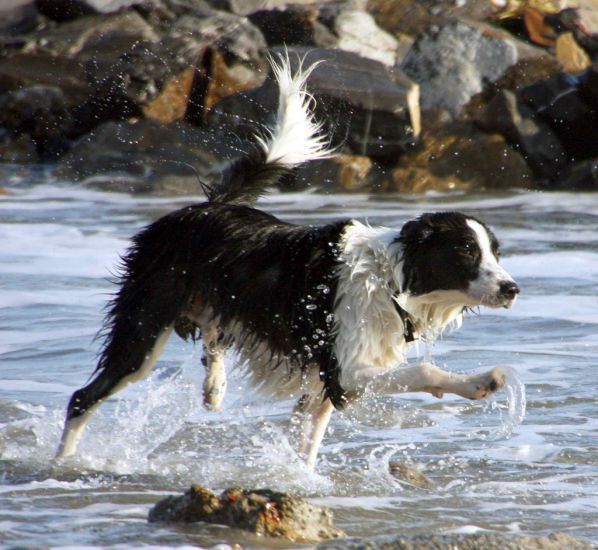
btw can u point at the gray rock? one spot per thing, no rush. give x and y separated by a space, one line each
17 148
364 106
580 175
452 61
482 541
357 32
263 512
40 112
18 17
145 157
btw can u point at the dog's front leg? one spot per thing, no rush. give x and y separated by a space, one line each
430 379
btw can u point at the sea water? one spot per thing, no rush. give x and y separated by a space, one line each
523 461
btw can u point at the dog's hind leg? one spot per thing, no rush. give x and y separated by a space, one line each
214 385
107 382
311 417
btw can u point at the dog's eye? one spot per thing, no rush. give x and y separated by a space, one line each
470 252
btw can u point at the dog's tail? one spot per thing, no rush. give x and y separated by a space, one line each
295 138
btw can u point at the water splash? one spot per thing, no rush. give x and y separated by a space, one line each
511 412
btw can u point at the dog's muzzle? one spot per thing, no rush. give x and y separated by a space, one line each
507 292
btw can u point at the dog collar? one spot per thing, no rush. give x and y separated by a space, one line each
408 327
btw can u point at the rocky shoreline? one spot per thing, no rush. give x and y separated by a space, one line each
149 95
275 515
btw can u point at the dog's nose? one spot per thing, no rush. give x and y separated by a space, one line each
509 289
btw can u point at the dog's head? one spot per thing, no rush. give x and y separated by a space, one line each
449 256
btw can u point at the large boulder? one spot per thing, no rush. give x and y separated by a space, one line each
40 112
145 156
450 155
263 512
452 61
366 107
561 103
539 145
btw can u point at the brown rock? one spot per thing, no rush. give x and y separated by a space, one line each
171 104
457 155
42 69
263 512
225 80
342 172
571 55
420 180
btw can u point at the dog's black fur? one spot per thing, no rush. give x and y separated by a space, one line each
273 289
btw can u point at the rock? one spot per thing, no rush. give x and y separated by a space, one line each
65 10
589 86
246 7
102 37
448 157
581 21
478 541
146 156
22 70
560 103
344 173
41 112
408 474
295 25
18 17
539 145
580 176
172 101
412 17
17 148
263 512
414 179
368 108
572 56
357 32
452 61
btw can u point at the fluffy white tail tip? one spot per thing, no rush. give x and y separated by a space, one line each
296 137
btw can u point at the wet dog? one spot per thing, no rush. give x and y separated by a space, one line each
320 313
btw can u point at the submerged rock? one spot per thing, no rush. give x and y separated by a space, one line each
478 541
263 512
409 475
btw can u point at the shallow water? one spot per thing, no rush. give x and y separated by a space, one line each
496 465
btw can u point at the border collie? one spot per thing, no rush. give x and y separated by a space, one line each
320 313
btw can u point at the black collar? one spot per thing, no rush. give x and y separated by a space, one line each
408 327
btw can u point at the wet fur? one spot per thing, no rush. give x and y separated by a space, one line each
316 312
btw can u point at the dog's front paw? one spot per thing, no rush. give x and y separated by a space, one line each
479 386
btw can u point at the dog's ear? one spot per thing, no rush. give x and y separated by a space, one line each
415 231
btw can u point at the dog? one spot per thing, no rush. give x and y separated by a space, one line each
319 313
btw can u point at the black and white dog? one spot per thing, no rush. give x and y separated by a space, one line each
320 313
